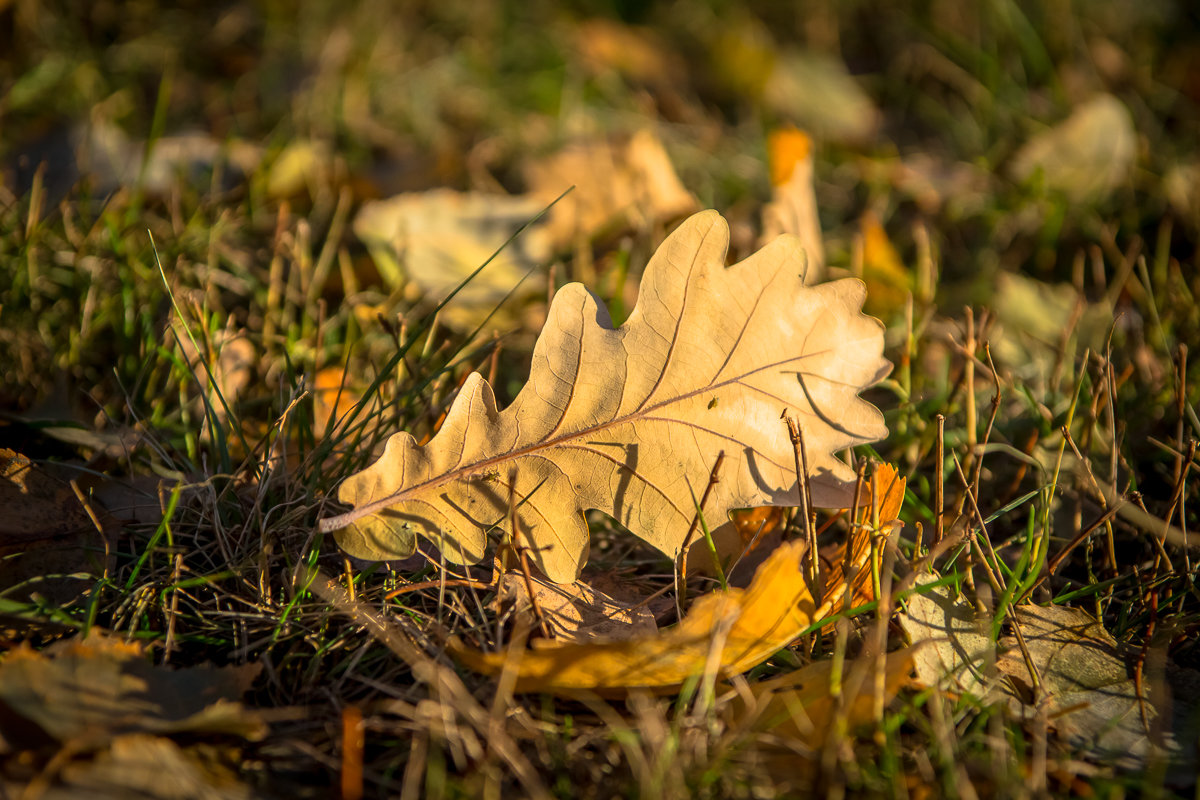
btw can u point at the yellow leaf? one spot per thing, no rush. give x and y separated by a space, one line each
437 239
742 627
887 279
800 704
333 398
888 486
623 420
1086 156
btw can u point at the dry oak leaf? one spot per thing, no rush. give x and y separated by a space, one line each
725 631
629 421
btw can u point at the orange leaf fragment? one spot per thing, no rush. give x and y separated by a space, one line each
745 627
786 149
888 487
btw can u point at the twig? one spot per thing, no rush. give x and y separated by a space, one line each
416 587
939 485
173 614
1105 520
352 753
813 564
996 583
969 387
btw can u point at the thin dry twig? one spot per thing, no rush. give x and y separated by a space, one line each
813 564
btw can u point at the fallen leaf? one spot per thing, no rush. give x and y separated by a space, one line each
959 641
1086 156
105 153
1181 185
1033 317
878 517
888 281
89 690
638 53
801 704
578 612
333 399
149 768
618 185
302 165
817 93
1093 702
36 506
630 421
793 206
223 366
740 628
49 545
436 239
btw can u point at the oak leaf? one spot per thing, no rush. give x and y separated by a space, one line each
630 420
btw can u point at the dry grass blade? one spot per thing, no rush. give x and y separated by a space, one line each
442 682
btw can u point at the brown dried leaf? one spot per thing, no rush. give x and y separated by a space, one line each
36 506
729 631
148 768
49 545
90 690
630 421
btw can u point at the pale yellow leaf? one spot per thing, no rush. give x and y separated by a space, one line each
1079 673
1084 157
818 93
435 240
630 421
742 627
